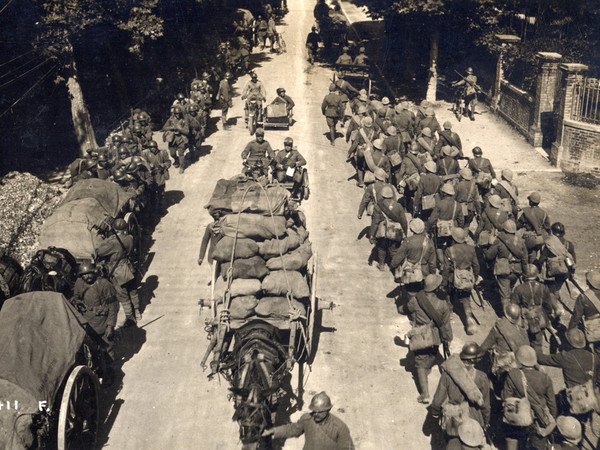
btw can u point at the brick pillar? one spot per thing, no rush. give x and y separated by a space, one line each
571 74
504 40
544 98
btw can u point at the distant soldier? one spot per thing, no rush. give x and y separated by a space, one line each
271 31
225 97
321 10
587 308
508 192
428 308
312 44
176 131
331 108
196 134
426 195
181 101
159 163
557 258
463 392
538 306
428 121
344 58
118 251
388 227
448 137
258 149
322 430
261 32
535 223
466 195
446 215
470 92
447 164
361 59
404 120
253 89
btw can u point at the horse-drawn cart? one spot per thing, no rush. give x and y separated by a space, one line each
264 303
49 374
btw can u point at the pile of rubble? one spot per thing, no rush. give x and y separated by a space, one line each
25 202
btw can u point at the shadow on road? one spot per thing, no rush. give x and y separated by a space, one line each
173 198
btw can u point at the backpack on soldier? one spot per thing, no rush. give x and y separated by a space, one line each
464 279
517 411
582 398
591 326
444 227
557 264
410 272
428 202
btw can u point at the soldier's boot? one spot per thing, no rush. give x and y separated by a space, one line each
423 385
472 326
360 178
138 314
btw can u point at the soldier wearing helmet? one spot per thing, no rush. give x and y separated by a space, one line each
428 120
289 160
426 140
181 101
558 259
544 409
332 109
388 226
426 358
467 196
96 299
344 58
253 89
282 97
196 124
361 59
483 171
426 194
225 97
508 192
159 162
462 384
503 340
258 149
372 192
535 223
103 170
356 152
117 251
322 430
312 44
445 216
587 308
470 92
449 137
538 305
508 255
491 221
176 131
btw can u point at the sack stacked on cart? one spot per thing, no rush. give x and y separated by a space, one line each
264 246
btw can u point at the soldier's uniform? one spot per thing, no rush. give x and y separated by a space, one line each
428 121
284 159
344 58
361 59
176 132
366 134
411 249
225 96
479 164
448 137
255 150
371 195
404 121
508 192
535 223
429 185
466 195
446 208
470 92
491 220
330 434
332 109
447 165
196 128
584 308
159 162
387 210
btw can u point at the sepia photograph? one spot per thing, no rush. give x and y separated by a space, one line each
300 224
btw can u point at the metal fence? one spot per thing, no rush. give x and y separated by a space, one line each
586 101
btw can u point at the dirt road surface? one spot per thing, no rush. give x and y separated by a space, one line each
166 401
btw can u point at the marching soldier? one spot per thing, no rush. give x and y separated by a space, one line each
535 223
470 92
446 215
429 308
537 304
427 191
225 96
332 110
482 171
159 162
461 271
509 255
447 163
428 121
508 192
196 128
388 226
448 137
372 192
176 132
118 251
356 152
491 222
426 142
466 195
528 381
463 391
558 259
312 44
587 307
404 121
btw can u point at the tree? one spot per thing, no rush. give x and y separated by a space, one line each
61 25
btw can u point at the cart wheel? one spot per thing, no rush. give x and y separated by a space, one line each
78 419
312 313
135 230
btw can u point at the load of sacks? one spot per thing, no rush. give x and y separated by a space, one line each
265 245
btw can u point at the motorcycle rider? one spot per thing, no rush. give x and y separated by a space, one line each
254 89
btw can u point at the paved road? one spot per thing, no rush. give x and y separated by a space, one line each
166 400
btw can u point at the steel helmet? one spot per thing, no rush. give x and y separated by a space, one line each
447 125
123 151
432 282
362 109
380 174
194 107
477 151
137 128
510 226
387 192
332 87
430 166
90 163
385 101
253 75
320 402
569 427
86 267
426 132
288 141
469 70
378 144
470 351
138 160
575 337
466 173
177 110
144 116
367 122
391 130
495 201
205 76
260 132
535 198
119 174
507 174
280 91
512 311
593 278
447 150
470 433
152 144
459 235
228 75
116 139
531 272
447 188
558 229
361 50
526 356
102 158
119 225
180 96
417 226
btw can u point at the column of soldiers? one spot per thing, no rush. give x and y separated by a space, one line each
443 222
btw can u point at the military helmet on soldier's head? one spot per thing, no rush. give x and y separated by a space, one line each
123 151
378 144
570 428
495 201
119 174
459 235
426 132
116 138
119 225
177 110
194 107
137 128
535 198
448 189
558 229
471 434
526 356
431 166
253 75
320 402
576 338
507 174
512 311
260 132
366 122
477 151
417 226
152 144
470 351
180 96
509 226
593 278
280 91
205 76
228 75
86 267
469 70
531 272
432 282
391 130
387 192
288 141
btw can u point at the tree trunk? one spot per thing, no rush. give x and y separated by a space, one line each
433 57
82 123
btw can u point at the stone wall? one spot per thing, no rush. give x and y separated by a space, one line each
516 106
580 150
